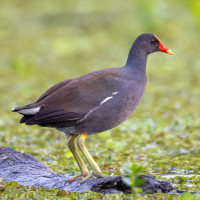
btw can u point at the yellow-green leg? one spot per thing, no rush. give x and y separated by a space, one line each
95 168
73 148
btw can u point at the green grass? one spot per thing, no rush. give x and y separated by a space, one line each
45 42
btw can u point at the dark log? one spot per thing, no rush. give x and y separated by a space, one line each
28 171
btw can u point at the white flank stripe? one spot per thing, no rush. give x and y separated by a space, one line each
30 111
106 99
102 102
114 93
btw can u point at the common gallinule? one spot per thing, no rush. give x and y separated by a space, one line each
94 102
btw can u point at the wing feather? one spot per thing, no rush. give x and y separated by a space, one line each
48 115
71 100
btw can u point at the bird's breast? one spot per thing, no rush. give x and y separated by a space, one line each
113 110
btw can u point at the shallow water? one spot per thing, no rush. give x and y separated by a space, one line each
168 176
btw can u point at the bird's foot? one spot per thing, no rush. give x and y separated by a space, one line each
98 175
74 178
90 176
85 176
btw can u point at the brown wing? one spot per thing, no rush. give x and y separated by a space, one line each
53 89
71 100
50 116
82 94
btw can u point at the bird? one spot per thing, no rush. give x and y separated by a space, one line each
94 103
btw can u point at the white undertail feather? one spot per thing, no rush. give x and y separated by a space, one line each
29 111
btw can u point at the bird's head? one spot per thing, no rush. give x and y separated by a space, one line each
150 43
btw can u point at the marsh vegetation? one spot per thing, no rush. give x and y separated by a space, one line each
45 42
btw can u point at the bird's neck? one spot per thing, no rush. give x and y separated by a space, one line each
137 60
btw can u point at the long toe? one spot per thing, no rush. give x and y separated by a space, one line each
90 176
74 178
86 178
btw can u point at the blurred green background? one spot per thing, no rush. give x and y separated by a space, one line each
45 42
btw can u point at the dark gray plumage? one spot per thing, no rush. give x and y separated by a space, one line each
98 101
94 103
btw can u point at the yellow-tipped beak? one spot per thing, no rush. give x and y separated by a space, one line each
169 52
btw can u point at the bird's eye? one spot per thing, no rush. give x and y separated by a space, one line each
153 41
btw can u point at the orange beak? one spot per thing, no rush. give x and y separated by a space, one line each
163 48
